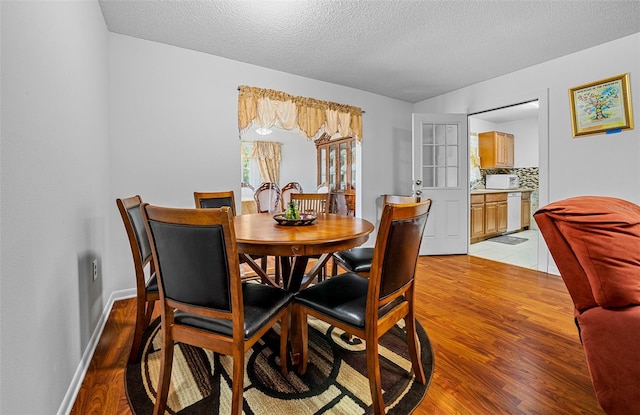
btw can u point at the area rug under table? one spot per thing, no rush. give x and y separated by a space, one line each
335 383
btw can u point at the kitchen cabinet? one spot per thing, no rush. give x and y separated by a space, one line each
495 210
496 149
489 214
477 216
526 210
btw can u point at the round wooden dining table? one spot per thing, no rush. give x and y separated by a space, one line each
260 234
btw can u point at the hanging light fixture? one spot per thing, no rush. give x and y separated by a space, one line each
264 131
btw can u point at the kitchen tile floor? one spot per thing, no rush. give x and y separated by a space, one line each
524 254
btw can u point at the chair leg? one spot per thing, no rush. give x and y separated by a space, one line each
149 313
414 349
284 341
237 383
303 333
277 271
166 361
141 324
373 372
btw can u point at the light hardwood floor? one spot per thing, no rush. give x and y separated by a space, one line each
503 338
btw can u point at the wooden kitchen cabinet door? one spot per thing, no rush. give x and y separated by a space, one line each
477 216
496 149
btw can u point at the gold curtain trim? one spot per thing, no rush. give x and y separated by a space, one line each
312 113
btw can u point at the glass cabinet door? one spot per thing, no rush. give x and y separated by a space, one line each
333 160
342 181
353 164
322 165
337 163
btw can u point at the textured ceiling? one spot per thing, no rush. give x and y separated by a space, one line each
408 50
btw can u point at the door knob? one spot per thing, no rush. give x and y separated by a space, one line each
418 182
418 192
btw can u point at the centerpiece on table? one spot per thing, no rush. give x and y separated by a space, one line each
293 217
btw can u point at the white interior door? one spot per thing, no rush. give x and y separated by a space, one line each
440 173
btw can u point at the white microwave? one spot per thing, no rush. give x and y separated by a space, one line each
502 181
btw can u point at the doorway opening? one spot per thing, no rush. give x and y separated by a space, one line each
515 244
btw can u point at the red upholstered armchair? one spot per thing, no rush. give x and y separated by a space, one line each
595 243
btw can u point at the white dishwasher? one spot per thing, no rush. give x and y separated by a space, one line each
514 211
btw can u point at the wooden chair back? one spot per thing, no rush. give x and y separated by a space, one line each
370 307
146 290
208 200
287 190
201 293
246 190
267 197
311 202
322 188
211 200
396 251
399 200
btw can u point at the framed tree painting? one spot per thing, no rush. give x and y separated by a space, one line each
601 107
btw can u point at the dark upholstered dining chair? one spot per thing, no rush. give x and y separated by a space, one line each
358 259
369 307
146 290
203 301
208 200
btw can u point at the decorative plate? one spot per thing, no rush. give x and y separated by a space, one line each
305 219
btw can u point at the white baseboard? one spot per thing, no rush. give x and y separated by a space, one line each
553 270
83 366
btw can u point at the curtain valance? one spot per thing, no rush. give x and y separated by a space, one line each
313 117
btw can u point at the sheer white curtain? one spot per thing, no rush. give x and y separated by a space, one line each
338 122
269 111
268 155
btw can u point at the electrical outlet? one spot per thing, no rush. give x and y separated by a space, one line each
94 267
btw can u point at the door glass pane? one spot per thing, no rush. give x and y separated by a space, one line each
441 178
427 134
428 176
440 155
427 155
441 160
452 155
452 134
440 133
452 177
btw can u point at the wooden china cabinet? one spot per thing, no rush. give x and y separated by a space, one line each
336 168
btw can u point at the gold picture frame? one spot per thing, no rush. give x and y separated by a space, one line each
601 107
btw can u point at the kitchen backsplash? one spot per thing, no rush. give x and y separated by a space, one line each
528 175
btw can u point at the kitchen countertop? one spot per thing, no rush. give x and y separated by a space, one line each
486 191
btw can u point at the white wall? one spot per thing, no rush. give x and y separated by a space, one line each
298 156
604 165
54 201
525 133
174 129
